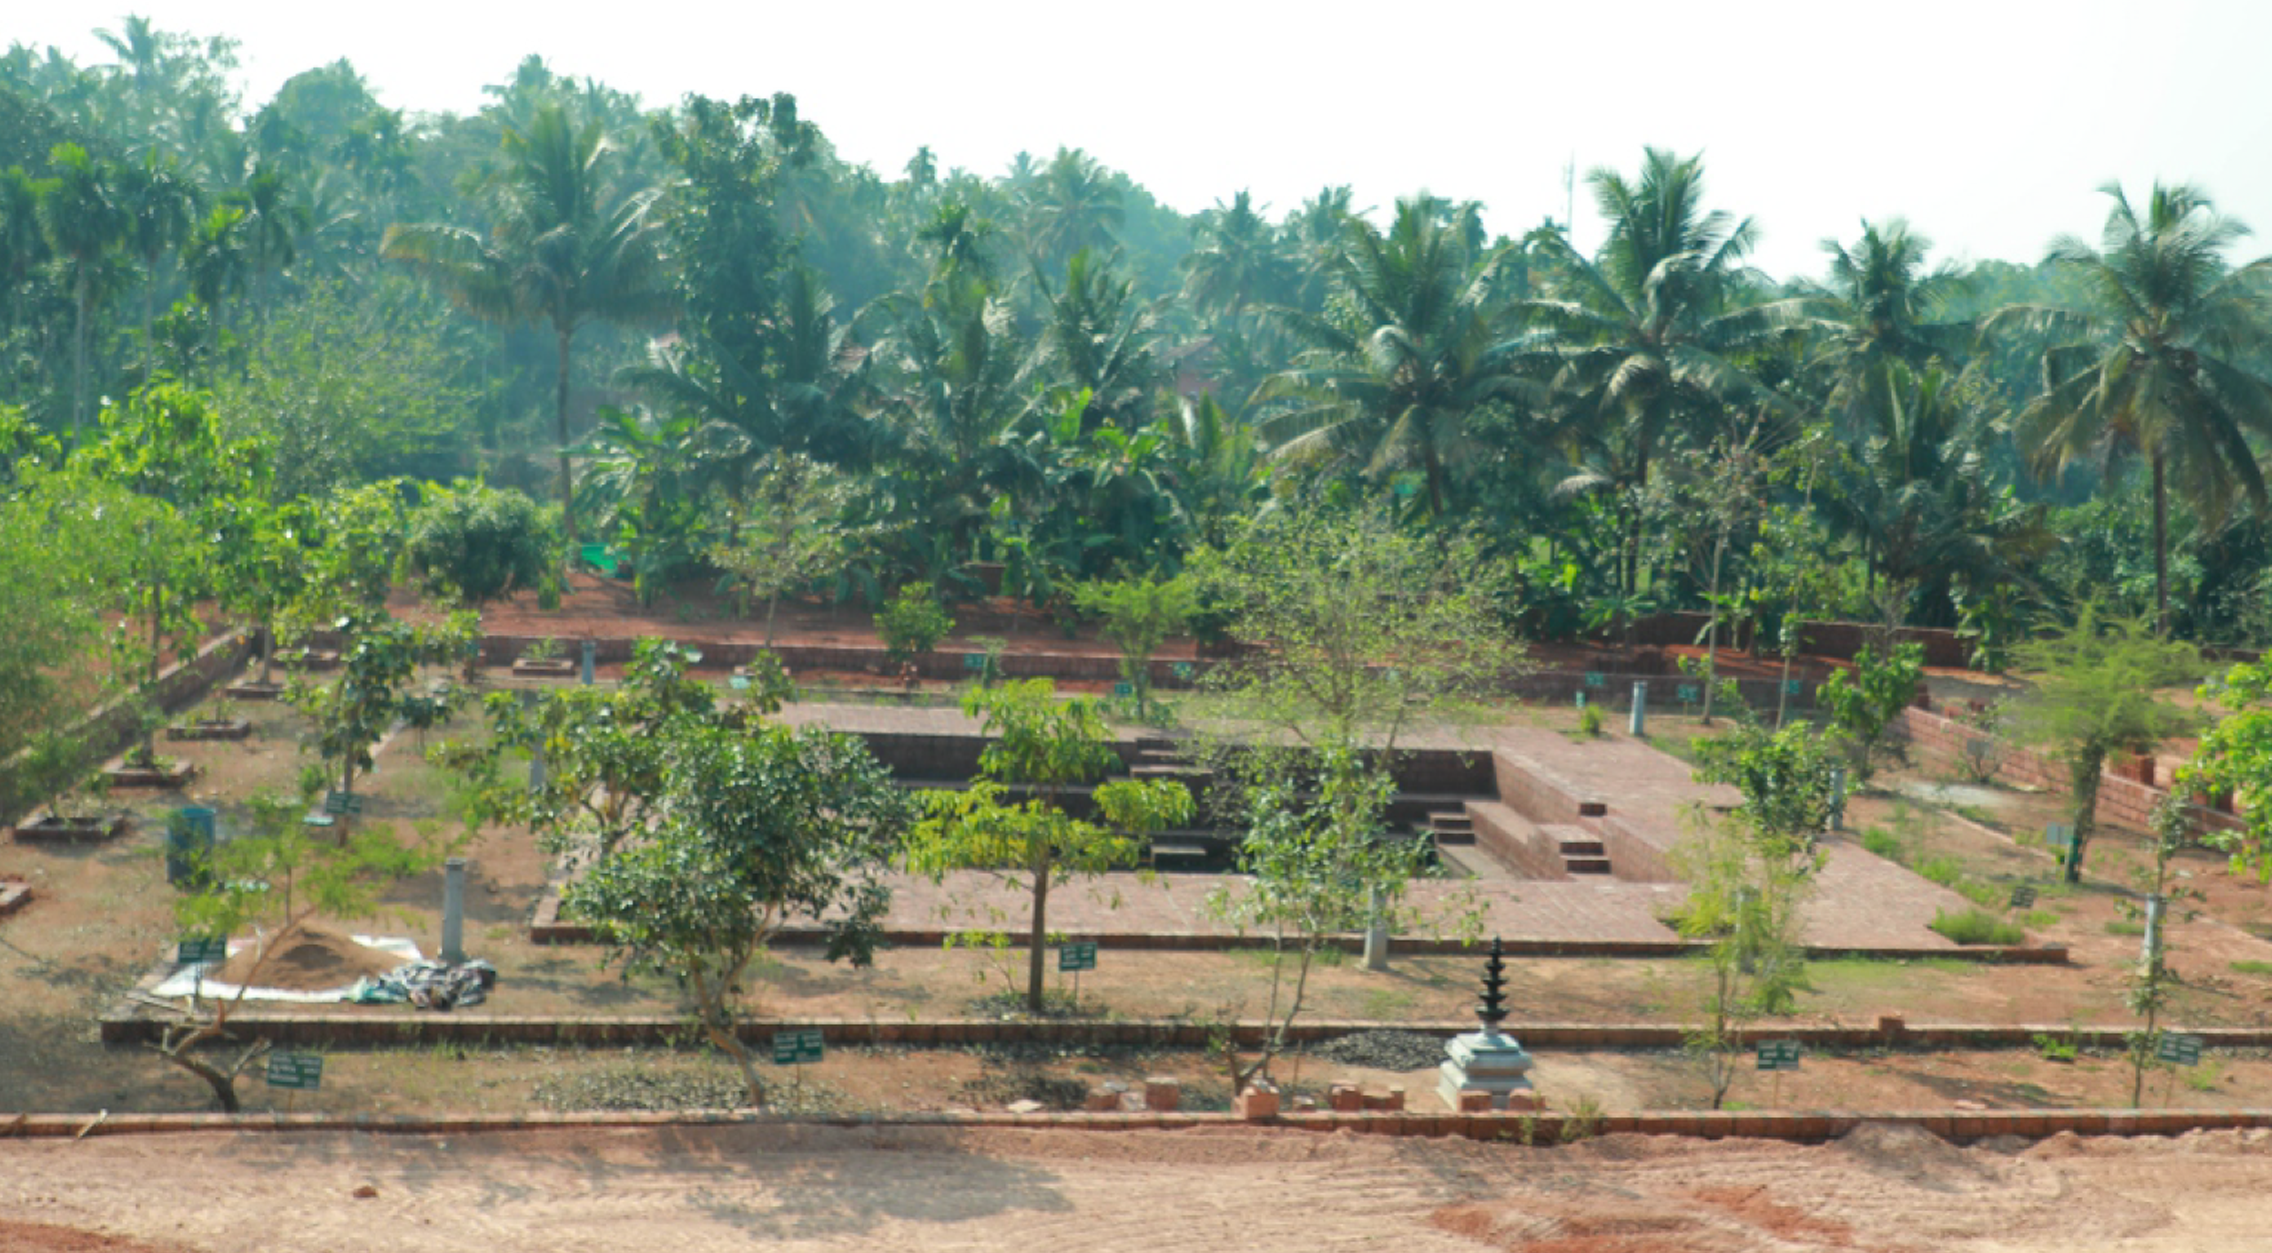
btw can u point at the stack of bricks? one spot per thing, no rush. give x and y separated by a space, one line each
1349 1098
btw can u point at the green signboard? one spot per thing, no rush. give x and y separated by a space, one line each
974 662
739 683
1595 678
342 803
1123 690
2058 834
1794 687
295 1070
791 1048
2179 1050
1778 1054
1076 956
2023 897
1690 693
1183 671
203 952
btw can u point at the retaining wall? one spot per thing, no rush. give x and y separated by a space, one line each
110 727
1940 743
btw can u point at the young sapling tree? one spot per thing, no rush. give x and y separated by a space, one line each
1044 746
1139 615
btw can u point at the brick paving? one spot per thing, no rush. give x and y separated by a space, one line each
1860 901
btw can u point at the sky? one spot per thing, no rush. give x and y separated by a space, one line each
1990 125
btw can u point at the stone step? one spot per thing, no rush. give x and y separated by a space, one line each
1587 865
1161 770
1583 848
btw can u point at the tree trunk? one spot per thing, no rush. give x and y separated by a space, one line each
1712 629
267 653
2083 773
157 641
1038 937
79 355
560 420
2161 546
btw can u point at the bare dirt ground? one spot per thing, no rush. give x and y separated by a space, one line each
1878 1188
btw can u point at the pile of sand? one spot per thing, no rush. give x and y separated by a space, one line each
307 958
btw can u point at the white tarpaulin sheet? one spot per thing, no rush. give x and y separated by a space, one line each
185 980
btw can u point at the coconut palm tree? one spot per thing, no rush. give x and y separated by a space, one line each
2163 368
1878 308
1097 337
1645 343
568 248
1071 204
1413 345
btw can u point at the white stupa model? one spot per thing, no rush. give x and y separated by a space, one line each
1486 1061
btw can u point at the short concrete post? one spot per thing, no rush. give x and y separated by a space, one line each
589 652
453 910
1376 932
1640 708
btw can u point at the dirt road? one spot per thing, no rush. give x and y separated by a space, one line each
691 1189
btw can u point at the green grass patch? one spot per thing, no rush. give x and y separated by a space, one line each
2252 968
2037 919
1976 926
1945 871
2123 926
1884 843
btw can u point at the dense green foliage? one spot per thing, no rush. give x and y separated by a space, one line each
725 351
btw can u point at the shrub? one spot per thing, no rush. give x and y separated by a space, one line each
1942 870
1884 843
1589 721
1976 926
912 624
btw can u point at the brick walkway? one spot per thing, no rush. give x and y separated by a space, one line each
1861 901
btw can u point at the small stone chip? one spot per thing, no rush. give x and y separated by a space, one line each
366 1192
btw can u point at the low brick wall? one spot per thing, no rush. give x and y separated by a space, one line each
1840 640
1940 743
110 728
1544 1128
396 1027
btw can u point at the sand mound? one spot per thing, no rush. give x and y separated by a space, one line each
308 958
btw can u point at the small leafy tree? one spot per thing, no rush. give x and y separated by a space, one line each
912 624
1139 615
1788 778
1320 865
2096 691
378 663
753 829
1360 626
790 541
1044 746
1748 876
1864 701
273 878
2235 761
606 750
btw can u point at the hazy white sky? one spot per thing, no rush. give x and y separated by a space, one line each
1989 124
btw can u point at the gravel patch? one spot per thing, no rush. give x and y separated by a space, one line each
1383 1050
637 1089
